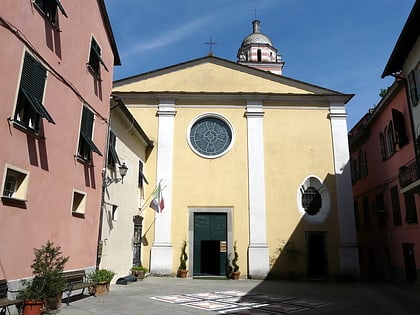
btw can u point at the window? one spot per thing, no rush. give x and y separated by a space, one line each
79 203
414 87
382 143
114 214
112 152
15 184
86 145
49 9
363 169
356 214
259 55
29 107
141 175
313 200
359 166
410 208
400 132
390 140
396 210
95 58
210 135
380 210
366 211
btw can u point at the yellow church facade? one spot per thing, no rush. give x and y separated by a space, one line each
244 157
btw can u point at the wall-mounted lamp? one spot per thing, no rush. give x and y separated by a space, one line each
123 171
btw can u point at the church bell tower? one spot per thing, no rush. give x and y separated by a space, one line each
258 51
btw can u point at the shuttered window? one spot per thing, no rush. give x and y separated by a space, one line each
86 145
49 8
414 86
396 210
95 58
29 107
112 152
399 126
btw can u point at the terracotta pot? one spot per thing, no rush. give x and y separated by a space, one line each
182 273
54 303
235 275
101 288
33 307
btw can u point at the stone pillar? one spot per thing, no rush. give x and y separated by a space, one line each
161 253
258 254
348 247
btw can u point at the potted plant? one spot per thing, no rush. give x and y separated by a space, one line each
48 283
182 269
101 279
235 273
138 272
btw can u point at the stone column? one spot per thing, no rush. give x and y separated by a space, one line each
258 254
348 247
161 253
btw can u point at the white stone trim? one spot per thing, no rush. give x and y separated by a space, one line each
322 215
348 250
161 252
258 254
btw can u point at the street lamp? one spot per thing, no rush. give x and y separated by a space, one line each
123 171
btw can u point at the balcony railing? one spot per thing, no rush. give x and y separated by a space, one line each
409 175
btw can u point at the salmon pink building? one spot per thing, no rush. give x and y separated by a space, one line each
385 168
57 59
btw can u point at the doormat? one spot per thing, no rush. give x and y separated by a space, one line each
238 302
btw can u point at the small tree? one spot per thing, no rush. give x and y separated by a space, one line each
183 257
47 268
235 266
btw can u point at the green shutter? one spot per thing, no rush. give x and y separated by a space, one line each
86 130
32 85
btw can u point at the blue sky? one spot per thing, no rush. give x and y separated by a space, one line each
337 44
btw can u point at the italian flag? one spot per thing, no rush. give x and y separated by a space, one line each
157 202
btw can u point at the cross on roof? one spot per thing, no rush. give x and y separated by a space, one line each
211 43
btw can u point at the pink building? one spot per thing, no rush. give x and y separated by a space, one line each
385 169
57 59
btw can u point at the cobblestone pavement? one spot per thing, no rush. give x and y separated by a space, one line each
165 295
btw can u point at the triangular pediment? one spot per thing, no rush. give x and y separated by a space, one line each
215 75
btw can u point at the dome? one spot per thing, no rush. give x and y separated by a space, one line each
256 37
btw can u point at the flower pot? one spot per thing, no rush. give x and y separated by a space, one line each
235 275
101 288
32 307
139 274
182 273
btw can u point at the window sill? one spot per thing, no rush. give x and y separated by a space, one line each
25 129
14 202
83 161
78 214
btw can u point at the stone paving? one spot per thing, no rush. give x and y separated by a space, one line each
166 295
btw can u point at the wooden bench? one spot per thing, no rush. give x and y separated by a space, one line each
76 280
4 301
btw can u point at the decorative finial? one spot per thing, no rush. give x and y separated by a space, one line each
255 13
211 43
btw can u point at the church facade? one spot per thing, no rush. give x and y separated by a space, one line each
247 157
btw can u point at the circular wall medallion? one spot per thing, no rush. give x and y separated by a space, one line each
210 135
313 200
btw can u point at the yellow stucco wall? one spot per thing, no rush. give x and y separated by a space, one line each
297 143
